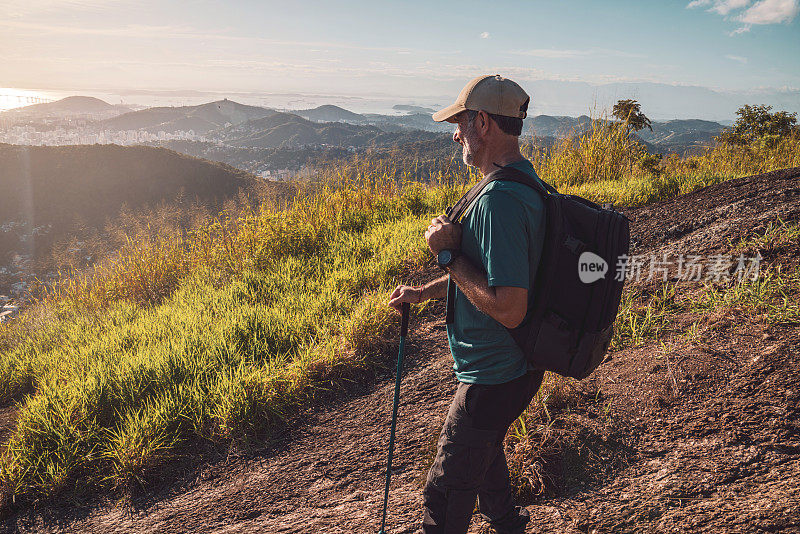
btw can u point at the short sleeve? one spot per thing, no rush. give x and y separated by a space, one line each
501 229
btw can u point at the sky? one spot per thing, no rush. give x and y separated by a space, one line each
414 51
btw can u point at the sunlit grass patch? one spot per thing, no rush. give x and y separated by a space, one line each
776 235
642 317
772 297
728 160
219 337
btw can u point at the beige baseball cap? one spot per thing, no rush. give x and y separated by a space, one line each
490 93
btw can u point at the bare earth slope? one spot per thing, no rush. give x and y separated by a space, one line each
699 437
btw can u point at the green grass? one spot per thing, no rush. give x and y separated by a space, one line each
145 357
772 297
223 333
642 317
776 235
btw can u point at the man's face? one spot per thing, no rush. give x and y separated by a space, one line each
467 136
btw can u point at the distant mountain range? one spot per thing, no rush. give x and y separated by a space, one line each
328 113
239 126
70 106
413 109
677 135
548 126
670 136
681 134
287 130
200 119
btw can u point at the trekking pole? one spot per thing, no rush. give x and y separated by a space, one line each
403 332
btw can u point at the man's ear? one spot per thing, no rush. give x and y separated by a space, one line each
484 125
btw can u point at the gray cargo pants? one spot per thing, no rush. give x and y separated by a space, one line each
470 461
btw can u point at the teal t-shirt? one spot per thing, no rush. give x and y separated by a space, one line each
503 233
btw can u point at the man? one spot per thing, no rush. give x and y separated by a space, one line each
491 257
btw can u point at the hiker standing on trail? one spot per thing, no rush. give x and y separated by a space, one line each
490 260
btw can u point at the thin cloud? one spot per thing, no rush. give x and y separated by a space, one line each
726 6
743 29
131 30
771 12
139 31
24 8
485 35
723 7
740 59
762 12
554 53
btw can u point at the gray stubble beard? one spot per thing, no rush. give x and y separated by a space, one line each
471 145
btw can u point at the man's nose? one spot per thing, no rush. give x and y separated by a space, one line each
456 137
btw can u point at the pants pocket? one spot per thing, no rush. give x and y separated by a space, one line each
463 457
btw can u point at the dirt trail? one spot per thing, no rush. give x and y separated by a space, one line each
701 437
7 420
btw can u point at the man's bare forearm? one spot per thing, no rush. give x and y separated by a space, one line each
473 283
506 305
436 289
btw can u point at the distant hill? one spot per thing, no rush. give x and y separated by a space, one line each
682 134
259 159
201 119
278 130
286 130
52 192
69 106
548 126
329 113
417 121
58 184
677 135
412 109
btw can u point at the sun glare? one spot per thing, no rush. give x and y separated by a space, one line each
15 98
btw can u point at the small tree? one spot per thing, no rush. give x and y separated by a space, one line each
630 112
756 122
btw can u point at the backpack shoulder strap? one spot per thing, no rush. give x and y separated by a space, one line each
459 208
515 175
503 173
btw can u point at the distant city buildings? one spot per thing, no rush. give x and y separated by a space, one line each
36 136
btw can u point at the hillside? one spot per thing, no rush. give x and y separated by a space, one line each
51 193
255 159
329 113
410 108
680 135
692 429
69 106
548 126
286 130
200 119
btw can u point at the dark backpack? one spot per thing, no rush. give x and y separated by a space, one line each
570 321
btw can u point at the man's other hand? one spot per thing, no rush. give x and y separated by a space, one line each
443 234
412 295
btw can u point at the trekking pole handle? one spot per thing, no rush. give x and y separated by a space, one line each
404 322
